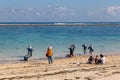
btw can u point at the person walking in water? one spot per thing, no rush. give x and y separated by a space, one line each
30 50
91 49
72 49
84 49
49 55
29 53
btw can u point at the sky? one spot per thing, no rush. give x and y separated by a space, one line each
59 10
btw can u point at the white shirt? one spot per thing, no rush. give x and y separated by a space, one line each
103 60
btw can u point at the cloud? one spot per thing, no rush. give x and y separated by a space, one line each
30 9
111 13
13 11
61 9
64 11
60 13
114 10
38 13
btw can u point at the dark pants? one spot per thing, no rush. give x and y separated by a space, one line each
49 59
29 54
84 51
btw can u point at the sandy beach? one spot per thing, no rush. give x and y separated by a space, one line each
62 69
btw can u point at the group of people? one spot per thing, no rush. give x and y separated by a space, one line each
97 60
72 49
49 54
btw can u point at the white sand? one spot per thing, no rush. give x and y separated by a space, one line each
62 69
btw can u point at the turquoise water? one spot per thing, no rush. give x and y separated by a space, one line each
14 40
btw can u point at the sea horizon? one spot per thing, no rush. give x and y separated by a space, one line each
59 23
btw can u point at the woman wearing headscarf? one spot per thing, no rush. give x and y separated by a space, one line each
49 54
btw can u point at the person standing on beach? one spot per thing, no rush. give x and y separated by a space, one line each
91 49
49 55
84 49
72 49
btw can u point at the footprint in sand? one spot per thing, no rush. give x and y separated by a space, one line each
77 77
68 79
88 78
117 72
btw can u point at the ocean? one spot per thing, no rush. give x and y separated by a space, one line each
14 39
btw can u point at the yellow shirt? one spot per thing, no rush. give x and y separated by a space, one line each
49 52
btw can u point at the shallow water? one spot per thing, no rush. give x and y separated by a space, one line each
14 40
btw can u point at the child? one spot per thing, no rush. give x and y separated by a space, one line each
96 60
90 60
